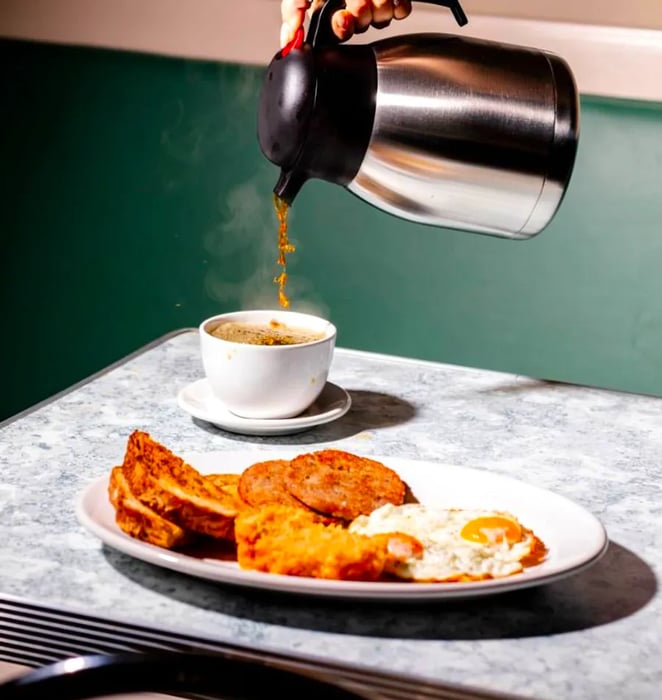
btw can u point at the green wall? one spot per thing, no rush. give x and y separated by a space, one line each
135 201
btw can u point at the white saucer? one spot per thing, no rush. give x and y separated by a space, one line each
198 400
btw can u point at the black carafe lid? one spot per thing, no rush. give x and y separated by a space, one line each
317 108
317 105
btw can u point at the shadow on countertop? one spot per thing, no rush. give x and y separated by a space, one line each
370 410
614 588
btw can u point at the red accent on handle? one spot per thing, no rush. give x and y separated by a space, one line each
296 43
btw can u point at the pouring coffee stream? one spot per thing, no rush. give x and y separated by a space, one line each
438 129
284 249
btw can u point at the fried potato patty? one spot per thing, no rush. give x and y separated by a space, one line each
341 484
284 540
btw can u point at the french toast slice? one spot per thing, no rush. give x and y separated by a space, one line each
177 491
138 520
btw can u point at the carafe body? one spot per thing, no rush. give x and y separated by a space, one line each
439 129
469 134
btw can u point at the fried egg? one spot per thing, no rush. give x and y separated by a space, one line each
458 544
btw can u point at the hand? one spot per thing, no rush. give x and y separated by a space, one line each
357 17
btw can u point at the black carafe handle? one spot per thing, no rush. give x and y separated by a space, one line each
320 32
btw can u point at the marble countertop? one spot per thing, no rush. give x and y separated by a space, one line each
596 635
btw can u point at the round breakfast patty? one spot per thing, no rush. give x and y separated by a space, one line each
262 484
341 484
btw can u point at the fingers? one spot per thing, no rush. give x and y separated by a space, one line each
401 9
343 25
357 17
361 14
361 11
382 12
293 13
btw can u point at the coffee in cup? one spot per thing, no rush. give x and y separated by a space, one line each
267 364
272 333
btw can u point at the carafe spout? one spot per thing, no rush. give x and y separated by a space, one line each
288 185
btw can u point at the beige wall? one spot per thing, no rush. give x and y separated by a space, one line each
607 58
621 13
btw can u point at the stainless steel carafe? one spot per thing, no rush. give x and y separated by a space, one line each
434 128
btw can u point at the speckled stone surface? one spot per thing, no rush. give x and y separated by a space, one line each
594 636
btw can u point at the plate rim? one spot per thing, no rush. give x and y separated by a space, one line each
318 588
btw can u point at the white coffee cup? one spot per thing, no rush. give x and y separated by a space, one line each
267 381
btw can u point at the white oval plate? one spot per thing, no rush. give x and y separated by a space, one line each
574 537
197 400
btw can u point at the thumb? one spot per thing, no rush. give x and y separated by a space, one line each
293 13
287 32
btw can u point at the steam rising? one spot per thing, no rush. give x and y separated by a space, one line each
242 246
248 231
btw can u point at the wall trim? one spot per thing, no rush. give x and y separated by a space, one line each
608 61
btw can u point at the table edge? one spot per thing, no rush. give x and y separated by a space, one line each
367 354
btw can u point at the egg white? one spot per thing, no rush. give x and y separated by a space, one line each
446 554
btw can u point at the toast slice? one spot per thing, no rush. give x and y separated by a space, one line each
177 491
137 519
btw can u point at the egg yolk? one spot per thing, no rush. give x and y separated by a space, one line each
492 530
